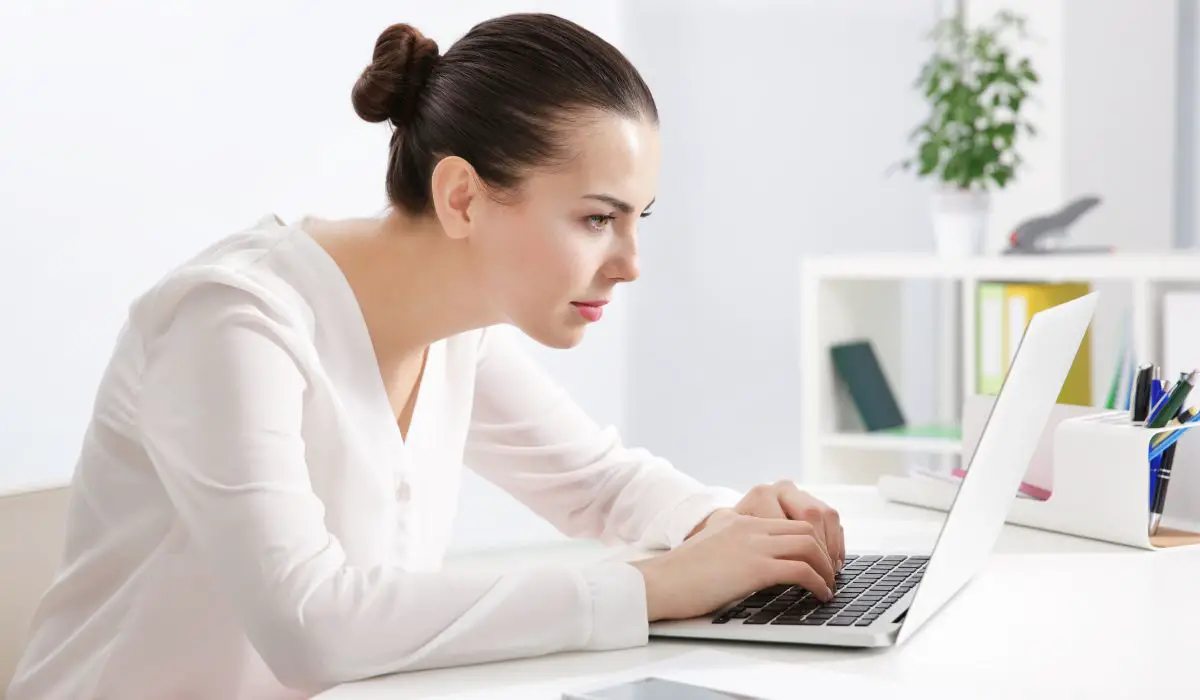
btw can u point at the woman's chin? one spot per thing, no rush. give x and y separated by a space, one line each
560 336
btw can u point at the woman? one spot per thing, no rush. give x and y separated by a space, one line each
266 489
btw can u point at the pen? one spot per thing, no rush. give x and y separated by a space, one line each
1162 476
1141 392
1157 393
1168 455
1184 416
1172 437
1169 406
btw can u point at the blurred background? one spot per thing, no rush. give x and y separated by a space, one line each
135 132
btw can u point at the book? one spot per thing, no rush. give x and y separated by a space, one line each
858 367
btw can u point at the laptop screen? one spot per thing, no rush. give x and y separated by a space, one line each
1010 436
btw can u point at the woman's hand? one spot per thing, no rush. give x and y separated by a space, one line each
783 500
737 555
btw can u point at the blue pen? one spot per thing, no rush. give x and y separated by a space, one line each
1158 396
1171 439
1158 399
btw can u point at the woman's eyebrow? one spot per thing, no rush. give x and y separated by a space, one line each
621 205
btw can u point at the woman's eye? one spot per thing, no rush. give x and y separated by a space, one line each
599 222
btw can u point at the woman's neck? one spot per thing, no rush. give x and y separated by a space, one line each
414 284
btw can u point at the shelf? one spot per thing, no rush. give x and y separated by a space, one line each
1181 266
889 442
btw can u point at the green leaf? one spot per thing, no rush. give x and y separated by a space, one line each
1001 175
929 154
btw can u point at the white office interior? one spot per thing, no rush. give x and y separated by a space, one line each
133 133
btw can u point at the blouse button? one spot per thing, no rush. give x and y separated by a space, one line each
403 491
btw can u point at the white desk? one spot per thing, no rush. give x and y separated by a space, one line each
1038 637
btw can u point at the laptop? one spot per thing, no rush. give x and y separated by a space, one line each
882 599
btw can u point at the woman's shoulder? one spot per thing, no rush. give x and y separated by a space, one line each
251 270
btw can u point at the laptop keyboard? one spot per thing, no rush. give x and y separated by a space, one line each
864 589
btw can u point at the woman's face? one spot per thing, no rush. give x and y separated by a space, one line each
551 254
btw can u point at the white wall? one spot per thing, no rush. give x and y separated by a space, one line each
136 132
779 121
1187 184
1106 108
1120 110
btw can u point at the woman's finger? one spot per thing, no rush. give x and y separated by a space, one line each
803 548
801 506
800 573
836 538
761 502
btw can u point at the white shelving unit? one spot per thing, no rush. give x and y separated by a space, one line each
851 297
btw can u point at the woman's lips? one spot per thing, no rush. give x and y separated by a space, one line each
590 310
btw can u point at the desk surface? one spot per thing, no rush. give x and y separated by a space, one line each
1035 620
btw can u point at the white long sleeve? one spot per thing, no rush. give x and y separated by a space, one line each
246 499
528 437
246 520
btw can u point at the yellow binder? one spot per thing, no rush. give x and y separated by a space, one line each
1021 302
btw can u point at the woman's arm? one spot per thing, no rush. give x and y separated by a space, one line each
528 437
221 411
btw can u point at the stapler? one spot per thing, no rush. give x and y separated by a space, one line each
1045 234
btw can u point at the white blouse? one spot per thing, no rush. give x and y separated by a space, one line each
246 520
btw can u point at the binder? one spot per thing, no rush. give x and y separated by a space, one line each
1021 302
1003 310
989 338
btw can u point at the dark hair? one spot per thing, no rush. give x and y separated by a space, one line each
498 98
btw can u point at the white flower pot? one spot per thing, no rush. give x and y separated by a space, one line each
960 220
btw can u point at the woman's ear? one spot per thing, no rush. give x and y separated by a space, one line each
454 186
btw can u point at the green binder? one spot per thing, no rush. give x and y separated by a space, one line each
990 361
859 369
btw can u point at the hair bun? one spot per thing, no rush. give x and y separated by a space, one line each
400 66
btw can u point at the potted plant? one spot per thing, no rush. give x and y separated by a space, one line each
976 89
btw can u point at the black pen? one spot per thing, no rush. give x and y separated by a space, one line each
1141 392
1162 476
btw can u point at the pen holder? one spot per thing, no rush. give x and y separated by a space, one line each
1102 484
1090 477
